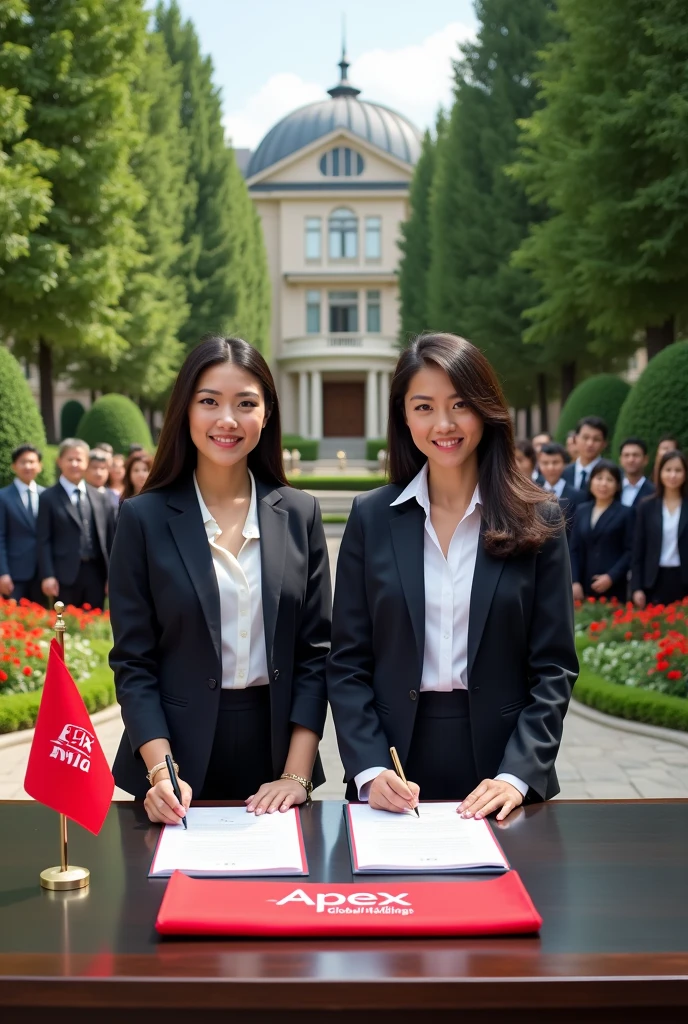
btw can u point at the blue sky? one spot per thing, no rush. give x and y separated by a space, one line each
271 56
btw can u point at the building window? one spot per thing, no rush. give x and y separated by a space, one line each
343 235
343 312
373 238
342 162
312 312
313 238
373 317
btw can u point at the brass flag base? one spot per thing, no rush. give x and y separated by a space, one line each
71 878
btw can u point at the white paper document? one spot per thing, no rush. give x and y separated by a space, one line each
439 840
230 841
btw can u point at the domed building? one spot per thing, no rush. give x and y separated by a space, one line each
330 182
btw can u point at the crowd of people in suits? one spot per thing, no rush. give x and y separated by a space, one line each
627 528
55 542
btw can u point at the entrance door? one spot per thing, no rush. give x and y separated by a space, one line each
344 409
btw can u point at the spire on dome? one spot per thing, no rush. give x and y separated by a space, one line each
344 88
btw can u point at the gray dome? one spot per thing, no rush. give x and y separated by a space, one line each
376 124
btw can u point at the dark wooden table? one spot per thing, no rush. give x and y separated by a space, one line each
610 880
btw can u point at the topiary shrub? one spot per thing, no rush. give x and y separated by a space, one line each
117 420
70 418
602 395
306 446
20 420
658 403
373 446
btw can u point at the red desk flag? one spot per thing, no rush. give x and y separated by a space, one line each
67 769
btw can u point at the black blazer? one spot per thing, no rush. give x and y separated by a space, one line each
165 612
569 476
18 557
568 503
605 549
59 532
647 546
521 655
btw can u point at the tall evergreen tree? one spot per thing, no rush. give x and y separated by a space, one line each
607 152
415 243
75 60
226 268
155 294
479 214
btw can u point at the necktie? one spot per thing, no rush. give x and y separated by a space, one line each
85 516
33 501
584 477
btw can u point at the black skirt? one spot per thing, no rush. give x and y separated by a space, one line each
668 586
441 756
241 758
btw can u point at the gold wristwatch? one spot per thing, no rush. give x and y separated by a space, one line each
158 767
306 783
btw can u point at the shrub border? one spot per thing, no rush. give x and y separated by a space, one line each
337 483
20 710
628 702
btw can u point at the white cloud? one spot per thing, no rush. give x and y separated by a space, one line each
415 80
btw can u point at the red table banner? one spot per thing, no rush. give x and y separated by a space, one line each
495 906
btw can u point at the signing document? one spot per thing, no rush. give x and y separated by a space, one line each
230 841
440 840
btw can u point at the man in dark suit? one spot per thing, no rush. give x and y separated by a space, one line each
552 466
75 533
591 440
18 513
633 462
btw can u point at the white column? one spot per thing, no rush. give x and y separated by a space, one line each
372 419
304 427
316 405
384 403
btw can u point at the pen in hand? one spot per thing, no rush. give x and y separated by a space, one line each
175 784
400 771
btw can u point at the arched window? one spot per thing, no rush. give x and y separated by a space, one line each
341 162
343 230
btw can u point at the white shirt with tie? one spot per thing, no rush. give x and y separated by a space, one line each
28 494
578 481
244 658
557 489
71 490
448 585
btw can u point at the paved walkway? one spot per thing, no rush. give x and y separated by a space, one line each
596 761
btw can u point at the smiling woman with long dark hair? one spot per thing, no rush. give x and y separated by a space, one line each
452 632
220 601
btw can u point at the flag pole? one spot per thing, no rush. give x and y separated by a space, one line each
64 876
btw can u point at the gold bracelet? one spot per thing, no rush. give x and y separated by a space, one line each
306 783
157 768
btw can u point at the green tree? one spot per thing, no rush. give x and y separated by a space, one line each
226 267
607 153
115 419
75 60
20 422
657 403
415 244
480 214
602 395
155 293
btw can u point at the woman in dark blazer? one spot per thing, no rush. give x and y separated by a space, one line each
602 538
453 630
660 551
220 601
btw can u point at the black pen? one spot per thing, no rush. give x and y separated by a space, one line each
175 784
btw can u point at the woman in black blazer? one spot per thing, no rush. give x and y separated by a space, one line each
220 601
452 626
660 551
602 538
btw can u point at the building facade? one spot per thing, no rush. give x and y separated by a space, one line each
330 183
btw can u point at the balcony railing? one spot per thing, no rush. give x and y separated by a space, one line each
344 344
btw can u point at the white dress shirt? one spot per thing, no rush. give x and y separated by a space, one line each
579 470
448 585
244 659
28 494
669 557
71 489
558 488
629 491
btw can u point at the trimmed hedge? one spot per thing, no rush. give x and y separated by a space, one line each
20 420
20 710
117 420
50 472
602 395
337 483
307 447
70 418
631 703
374 446
658 402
